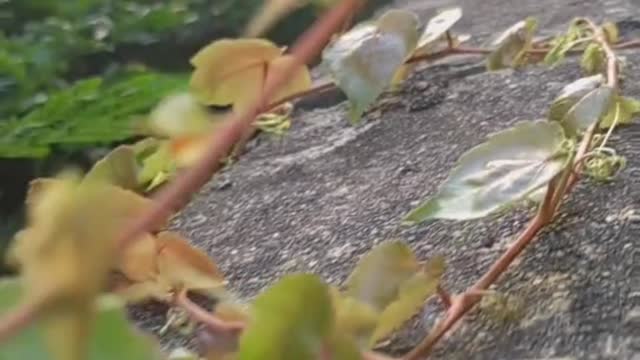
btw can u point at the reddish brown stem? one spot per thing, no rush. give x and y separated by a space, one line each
18 319
444 296
207 318
465 302
236 125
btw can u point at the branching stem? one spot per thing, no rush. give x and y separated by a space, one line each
461 304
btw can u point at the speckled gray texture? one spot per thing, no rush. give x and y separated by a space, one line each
327 192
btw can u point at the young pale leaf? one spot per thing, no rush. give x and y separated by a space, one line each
588 110
110 336
511 46
563 43
505 169
364 60
571 94
181 115
158 166
624 108
233 72
411 297
438 26
379 274
593 59
611 32
119 168
291 320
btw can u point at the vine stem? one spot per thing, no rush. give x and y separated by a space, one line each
463 303
237 124
18 319
220 143
235 328
205 317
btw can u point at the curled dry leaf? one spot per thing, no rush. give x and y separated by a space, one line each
185 267
157 266
505 169
364 60
233 72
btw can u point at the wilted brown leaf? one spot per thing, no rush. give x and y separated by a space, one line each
184 267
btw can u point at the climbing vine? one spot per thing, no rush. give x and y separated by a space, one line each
97 241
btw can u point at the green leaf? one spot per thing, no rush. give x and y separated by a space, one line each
512 45
411 297
354 318
364 60
379 274
291 320
438 26
571 94
588 110
626 109
112 336
565 42
119 167
593 59
157 167
505 169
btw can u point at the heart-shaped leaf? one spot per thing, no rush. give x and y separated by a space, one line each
505 169
291 320
379 274
512 45
364 60
571 94
438 26
233 72
588 110
411 297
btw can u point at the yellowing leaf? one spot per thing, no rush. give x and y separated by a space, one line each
181 115
119 168
233 72
138 260
379 274
67 251
364 60
511 46
184 267
411 297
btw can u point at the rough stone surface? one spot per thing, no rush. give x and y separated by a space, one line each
327 192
